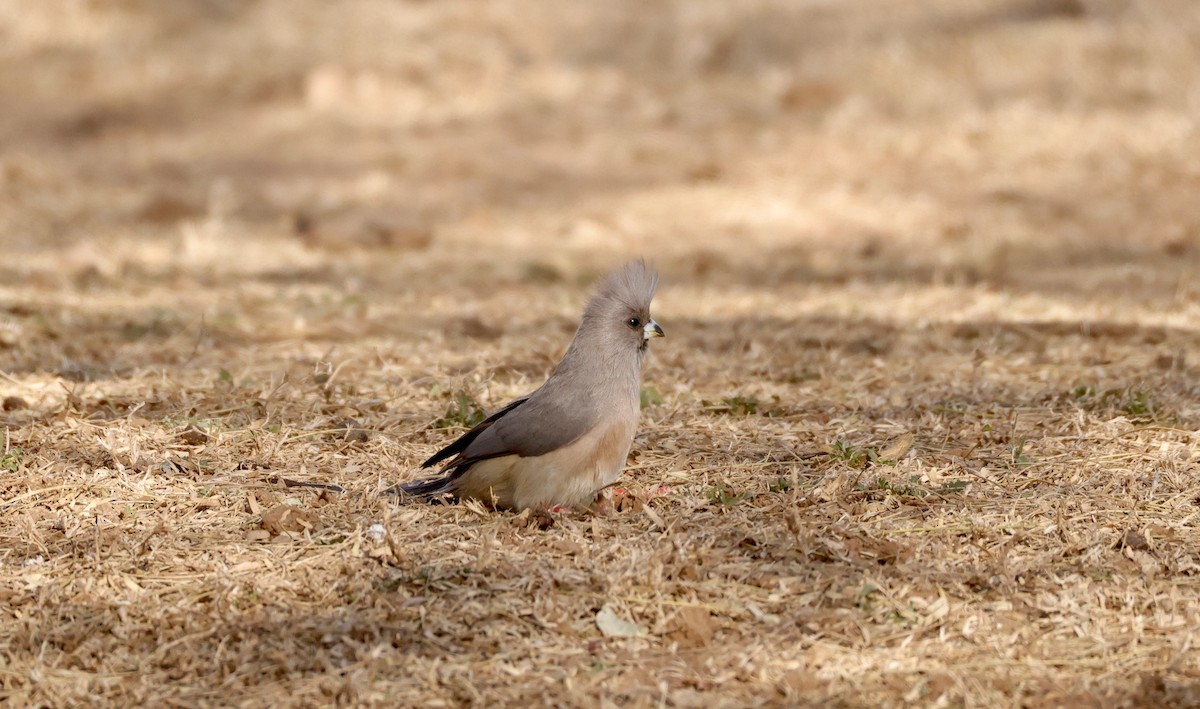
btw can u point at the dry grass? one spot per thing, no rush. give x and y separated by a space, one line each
921 432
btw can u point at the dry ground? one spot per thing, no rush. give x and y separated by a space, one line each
922 430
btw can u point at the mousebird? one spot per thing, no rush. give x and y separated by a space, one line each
569 439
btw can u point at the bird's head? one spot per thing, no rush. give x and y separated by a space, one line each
620 311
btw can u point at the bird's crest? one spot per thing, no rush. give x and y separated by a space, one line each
633 285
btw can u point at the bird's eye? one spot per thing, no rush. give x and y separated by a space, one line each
634 322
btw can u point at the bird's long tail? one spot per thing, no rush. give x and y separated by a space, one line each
428 489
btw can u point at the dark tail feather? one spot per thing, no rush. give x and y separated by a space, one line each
428 489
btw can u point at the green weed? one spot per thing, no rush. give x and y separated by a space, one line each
463 411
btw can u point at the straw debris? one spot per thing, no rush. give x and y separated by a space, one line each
922 432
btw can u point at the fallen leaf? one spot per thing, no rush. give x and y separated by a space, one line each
351 430
193 436
694 624
380 552
801 681
288 518
33 581
1132 540
613 626
898 449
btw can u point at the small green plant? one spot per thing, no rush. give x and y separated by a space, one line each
1138 403
1019 457
848 454
876 460
11 459
865 601
742 405
857 457
782 483
954 486
651 397
879 484
736 405
463 411
912 488
1135 403
725 496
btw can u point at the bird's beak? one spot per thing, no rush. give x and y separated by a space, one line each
653 329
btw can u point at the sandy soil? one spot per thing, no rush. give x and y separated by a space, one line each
921 432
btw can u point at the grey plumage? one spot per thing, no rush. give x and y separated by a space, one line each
568 439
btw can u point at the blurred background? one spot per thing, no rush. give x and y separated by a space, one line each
1022 143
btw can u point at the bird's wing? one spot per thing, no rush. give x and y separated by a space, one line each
533 426
465 440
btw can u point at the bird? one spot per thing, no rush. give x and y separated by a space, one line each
560 445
